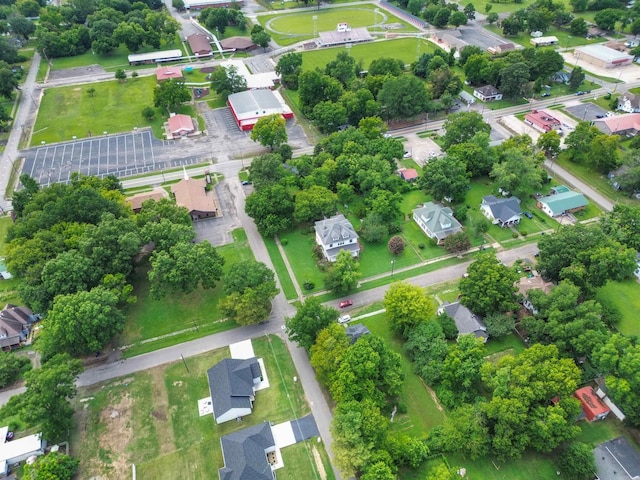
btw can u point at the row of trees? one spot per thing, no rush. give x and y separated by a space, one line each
364 379
515 73
102 26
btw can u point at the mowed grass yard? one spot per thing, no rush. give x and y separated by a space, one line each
157 427
8 288
115 107
626 296
406 49
149 318
294 27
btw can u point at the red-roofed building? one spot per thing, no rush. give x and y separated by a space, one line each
180 125
541 120
408 174
592 406
165 73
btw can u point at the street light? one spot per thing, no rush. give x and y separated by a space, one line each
393 262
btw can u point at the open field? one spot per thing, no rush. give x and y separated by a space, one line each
422 411
113 61
115 107
287 29
565 39
406 49
5 223
626 296
151 419
281 270
532 466
150 318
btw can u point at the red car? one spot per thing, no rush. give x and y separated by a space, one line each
345 303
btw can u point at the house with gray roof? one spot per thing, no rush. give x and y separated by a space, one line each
15 325
466 321
617 459
504 212
354 332
232 383
436 221
628 102
487 93
249 454
562 201
335 234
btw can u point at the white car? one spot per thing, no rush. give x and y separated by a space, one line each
406 155
344 319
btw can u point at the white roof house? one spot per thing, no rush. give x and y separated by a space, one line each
18 450
249 106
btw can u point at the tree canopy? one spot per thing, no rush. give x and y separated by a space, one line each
407 306
310 318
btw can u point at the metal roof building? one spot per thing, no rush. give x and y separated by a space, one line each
250 106
602 56
155 57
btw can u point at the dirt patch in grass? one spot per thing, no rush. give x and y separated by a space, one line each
116 436
433 396
319 464
160 412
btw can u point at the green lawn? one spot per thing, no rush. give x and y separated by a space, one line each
507 343
422 412
113 61
595 179
115 107
149 318
532 466
626 296
595 433
158 426
281 269
565 39
406 49
286 29
5 223
299 243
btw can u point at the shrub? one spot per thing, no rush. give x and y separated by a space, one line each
396 245
308 285
499 325
421 246
148 113
515 235
284 242
524 233
448 326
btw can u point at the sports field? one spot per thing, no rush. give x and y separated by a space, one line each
406 49
296 27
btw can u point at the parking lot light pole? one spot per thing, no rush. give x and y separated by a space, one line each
393 262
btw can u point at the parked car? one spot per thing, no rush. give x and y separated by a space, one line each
579 93
546 94
528 215
245 182
9 436
600 115
406 155
344 319
345 303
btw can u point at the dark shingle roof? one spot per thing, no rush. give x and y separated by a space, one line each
244 454
231 384
354 332
503 209
617 459
466 321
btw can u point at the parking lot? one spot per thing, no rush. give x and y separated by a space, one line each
218 230
121 155
481 38
586 112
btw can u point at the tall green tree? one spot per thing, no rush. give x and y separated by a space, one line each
310 318
489 286
289 67
184 268
344 273
8 81
327 352
445 177
407 306
270 131
53 466
249 286
271 208
517 173
623 225
46 399
513 78
81 323
402 97
314 203
170 94
460 376
227 80
576 461
461 127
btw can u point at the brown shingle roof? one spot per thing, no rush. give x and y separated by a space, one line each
191 194
199 43
237 43
138 199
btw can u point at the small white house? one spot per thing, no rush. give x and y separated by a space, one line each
18 450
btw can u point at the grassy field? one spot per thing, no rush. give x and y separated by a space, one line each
115 107
406 49
532 466
8 288
626 296
112 61
422 411
150 318
295 27
281 270
5 223
157 426
594 179
565 39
